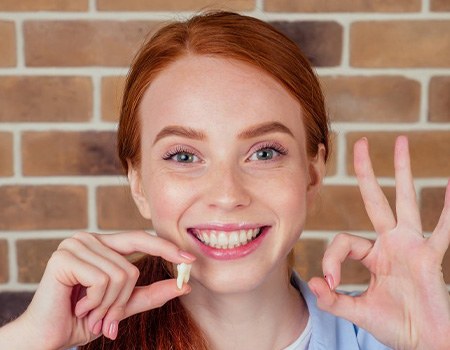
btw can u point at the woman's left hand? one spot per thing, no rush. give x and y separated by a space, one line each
407 304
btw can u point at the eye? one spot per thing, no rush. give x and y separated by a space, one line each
181 155
268 152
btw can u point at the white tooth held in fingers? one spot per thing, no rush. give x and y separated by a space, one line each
184 272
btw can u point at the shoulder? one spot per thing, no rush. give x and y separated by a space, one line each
331 332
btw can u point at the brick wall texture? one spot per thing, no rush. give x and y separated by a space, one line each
385 71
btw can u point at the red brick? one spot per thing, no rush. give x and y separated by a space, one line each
342 6
340 208
173 5
7 43
308 254
44 98
430 152
83 43
439 100
32 258
320 41
4 262
116 210
69 153
6 154
112 92
431 205
44 5
440 5
43 207
372 99
400 44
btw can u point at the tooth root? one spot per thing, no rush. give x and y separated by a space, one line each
184 271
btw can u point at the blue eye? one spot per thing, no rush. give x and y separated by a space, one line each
180 155
268 152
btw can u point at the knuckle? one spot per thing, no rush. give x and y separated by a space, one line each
119 277
133 273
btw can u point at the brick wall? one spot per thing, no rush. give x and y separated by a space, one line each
384 65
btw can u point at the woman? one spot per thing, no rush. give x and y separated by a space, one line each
224 137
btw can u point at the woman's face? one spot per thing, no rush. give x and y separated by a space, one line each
224 160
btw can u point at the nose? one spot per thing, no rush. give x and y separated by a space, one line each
226 188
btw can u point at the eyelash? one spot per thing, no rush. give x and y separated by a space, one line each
271 145
179 149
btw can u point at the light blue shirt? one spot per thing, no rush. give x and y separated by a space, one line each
333 333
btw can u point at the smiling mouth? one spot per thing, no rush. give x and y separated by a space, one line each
227 239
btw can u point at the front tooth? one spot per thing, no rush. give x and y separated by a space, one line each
249 235
233 241
212 239
184 271
243 237
222 240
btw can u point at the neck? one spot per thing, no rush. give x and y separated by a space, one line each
271 316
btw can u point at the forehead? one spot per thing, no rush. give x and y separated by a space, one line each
213 92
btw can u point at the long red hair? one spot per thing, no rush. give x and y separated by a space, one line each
227 35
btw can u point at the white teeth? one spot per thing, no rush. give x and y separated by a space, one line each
226 240
184 272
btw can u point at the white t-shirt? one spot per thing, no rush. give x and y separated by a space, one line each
302 342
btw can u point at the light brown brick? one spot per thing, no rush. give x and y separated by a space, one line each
44 5
439 99
7 44
44 98
69 153
173 5
332 160
353 272
6 154
112 92
400 44
342 6
43 207
4 262
83 43
372 99
116 210
32 258
431 205
429 150
440 5
320 41
340 208
308 254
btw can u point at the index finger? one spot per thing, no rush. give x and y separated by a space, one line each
143 242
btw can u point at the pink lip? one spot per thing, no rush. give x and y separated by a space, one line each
233 253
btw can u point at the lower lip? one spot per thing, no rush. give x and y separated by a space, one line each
232 253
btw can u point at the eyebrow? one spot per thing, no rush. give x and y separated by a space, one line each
254 131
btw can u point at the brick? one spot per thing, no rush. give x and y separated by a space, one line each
6 154
112 92
431 205
340 208
400 44
332 160
69 153
173 5
43 207
439 99
429 150
365 99
440 5
342 6
32 258
83 43
13 305
116 210
7 44
44 98
308 254
4 262
44 5
321 42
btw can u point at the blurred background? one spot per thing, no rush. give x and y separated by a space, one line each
384 67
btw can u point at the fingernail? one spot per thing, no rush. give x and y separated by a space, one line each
186 255
97 327
330 281
112 333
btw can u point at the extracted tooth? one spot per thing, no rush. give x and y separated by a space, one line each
184 272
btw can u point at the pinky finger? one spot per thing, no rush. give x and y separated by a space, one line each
440 239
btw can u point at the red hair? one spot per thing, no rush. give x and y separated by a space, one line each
222 34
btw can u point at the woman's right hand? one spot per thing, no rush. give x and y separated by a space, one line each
88 287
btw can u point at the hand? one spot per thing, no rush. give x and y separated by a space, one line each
406 305
60 317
